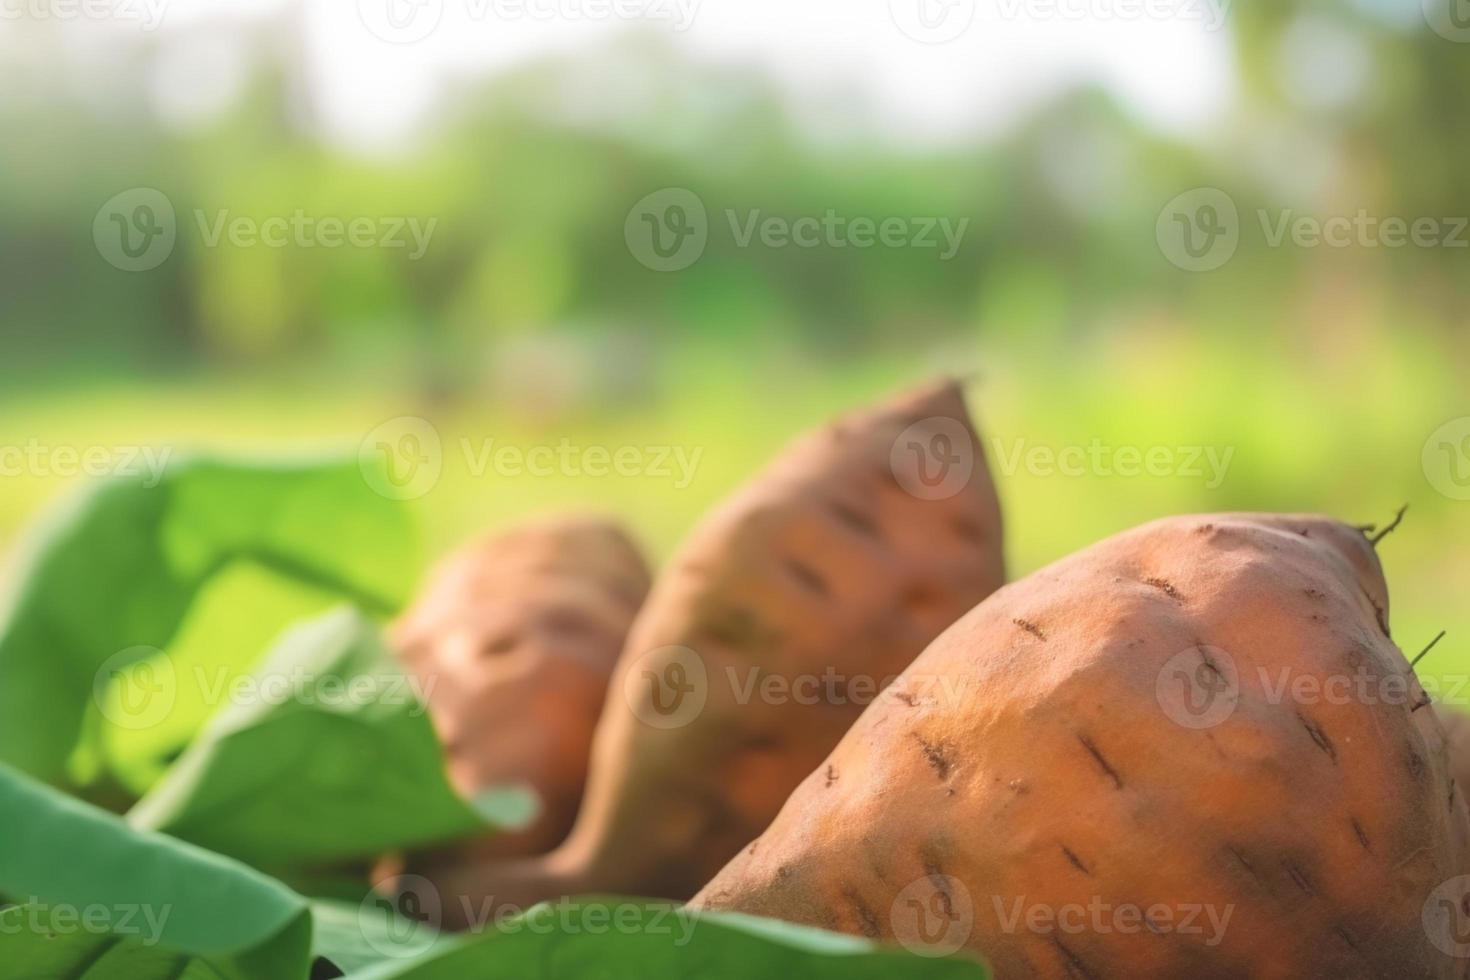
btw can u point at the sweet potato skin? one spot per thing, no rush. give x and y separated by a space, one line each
1048 767
515 637
826 564
1456 722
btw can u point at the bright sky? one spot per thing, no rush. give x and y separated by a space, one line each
1170 59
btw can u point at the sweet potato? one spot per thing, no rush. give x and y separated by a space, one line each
1457 735
515 637
762 642
1114 768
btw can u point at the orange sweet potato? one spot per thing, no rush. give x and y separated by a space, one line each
777 622
1137 763
515 637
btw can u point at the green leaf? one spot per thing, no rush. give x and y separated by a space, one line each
32 947
328 756
356 936
612 939
111 577
103 900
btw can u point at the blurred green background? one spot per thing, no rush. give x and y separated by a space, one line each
1324 372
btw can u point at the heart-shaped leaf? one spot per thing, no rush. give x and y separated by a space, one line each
327 754
101 900
111 577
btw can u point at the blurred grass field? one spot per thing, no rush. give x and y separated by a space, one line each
1339 430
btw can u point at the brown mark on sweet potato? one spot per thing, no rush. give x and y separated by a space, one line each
1318 736
854 519
1031 628
1299 878
1378 612
1102 761
831 776
1362 836
968 530
1076 861
935 755
1164 586
1207 661
1073 963
809 578
569 623
739 628
501 645
935 873
1244 863
1215 744
906 698
867 921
